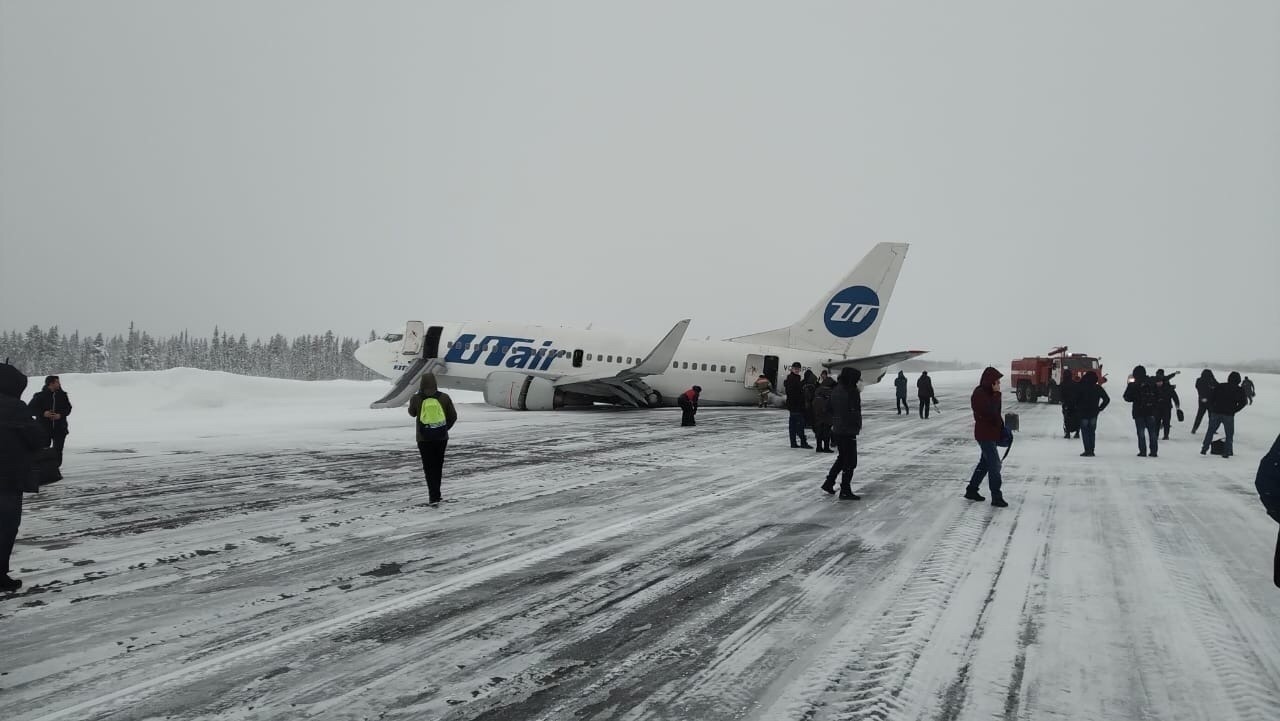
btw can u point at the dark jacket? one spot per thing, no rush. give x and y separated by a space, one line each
1268 480
1249 390
987 421
1228 398
56 401
1067 393
1143 395
1205 385
20 436
810 386
846 404
794 388
1167 397
900 383
822 403
924 387
428 389
1091 398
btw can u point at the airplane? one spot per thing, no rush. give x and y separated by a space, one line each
538 368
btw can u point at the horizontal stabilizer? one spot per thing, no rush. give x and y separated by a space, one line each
874 362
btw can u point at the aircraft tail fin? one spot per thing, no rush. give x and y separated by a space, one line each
846 319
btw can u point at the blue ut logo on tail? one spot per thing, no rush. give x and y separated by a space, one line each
852 311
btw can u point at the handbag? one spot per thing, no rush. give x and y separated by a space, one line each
1181 417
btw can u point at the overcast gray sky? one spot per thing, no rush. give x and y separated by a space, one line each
1104 174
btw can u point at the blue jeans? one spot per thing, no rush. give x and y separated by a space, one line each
796 427
1151 425
988 466
1228 424
1088 432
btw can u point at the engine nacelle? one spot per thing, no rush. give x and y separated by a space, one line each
521 392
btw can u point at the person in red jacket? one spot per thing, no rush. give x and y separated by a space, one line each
688 403
988 424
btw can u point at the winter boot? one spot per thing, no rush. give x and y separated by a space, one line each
847 495
974 496
998 502
829 487
9 585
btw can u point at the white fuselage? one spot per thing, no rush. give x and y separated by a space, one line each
725 370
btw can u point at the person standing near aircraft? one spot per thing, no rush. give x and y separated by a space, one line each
900 389
764 388
1144 396
51 406
924 388
434 415
794 386
19 443
1204 390
822 413
1228 400
1091 400
688 403
1167 398
846 424
988 426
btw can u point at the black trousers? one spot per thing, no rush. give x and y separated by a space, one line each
10 519
1277 562
1165 417
924 407
432 453
902 405
822 436
686 416
1200 412
844 464
58 443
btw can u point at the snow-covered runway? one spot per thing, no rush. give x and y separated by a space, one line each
612 565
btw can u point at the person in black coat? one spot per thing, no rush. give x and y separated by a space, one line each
1143 395
1227 400
51 406
796 407
822 413
900 388
924 389
1067 396
846 423
20 438
1268 485
1204 389
1167 399
1091 399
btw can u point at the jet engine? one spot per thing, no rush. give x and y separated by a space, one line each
522 392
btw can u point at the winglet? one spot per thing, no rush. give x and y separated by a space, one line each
659 359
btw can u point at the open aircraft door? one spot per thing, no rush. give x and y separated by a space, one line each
758 365
421 351
414 334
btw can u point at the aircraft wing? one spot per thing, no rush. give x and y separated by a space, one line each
624 384
874 362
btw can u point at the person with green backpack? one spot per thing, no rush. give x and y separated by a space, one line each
434 415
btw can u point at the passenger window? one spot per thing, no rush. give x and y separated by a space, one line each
628 359
733 369
609 360
704 366
675 364
686 365
722 370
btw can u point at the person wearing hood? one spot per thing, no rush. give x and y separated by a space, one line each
20 438
900 388
810 386
1144 396
1067 396
822 413
1249 390
846 424
51 406
688 402
1091 400
924 389
1166 400
1227 400
434 415
1204 389
988 426
1268 484
794 387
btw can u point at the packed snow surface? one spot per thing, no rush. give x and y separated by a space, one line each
241 548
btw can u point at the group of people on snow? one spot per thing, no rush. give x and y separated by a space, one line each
924 392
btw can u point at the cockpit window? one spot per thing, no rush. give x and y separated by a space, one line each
393 337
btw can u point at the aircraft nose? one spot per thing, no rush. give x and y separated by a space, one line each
367 354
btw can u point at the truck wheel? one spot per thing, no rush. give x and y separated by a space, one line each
1022 392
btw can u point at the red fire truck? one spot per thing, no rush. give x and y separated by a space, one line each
1038 376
